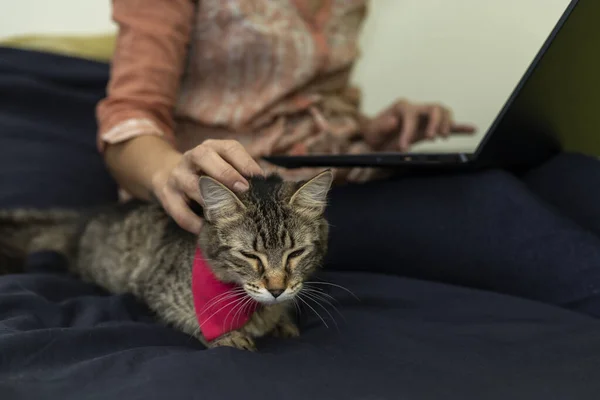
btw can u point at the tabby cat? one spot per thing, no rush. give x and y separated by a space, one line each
267 241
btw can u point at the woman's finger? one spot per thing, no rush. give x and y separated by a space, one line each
434 121
381 127
185 180
446 123
205 160
178 209
410 123
235 154
462 128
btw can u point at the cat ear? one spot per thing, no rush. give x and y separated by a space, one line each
219 202
311 197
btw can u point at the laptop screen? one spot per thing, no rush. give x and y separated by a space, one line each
561 95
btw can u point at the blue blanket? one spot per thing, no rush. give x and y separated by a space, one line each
406 338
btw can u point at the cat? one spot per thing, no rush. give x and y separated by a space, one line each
266 242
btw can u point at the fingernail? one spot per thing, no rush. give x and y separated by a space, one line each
240 187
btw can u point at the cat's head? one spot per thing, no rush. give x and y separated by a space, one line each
270 239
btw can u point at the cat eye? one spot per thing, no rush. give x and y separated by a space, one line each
254 257
250 256
296 253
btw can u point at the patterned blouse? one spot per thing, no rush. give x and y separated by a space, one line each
272 74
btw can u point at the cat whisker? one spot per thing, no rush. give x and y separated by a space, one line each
320 295
215 304
299 296
234 301
334 285
238 313
237 307
316 301
216 298
203 258
320 292
297 306
222 297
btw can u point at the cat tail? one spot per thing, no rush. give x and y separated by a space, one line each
24 231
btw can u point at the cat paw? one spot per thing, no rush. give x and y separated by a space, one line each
286 330
236 340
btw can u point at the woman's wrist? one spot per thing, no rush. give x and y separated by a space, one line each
160 174
140 163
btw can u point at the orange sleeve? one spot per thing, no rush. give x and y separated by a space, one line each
146 70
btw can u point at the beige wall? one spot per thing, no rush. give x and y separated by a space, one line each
54 16
466 53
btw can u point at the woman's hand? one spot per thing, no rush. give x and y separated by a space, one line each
176 183
405 123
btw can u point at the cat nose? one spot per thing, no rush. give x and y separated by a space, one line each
276 292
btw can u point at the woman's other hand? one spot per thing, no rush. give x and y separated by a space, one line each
405 123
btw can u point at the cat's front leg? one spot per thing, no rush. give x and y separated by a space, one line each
235 339
273 319
286 327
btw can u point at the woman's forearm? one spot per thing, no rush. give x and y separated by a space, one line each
136 163
146 72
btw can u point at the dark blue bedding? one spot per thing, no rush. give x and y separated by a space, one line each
407 337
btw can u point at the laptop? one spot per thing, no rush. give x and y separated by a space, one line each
554 107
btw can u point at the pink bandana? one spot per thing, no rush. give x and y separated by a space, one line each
218 308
